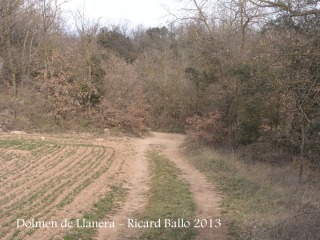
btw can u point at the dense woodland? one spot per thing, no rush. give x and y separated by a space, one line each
237 73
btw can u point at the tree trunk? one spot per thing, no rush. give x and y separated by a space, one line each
302 148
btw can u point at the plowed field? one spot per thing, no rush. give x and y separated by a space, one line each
48 180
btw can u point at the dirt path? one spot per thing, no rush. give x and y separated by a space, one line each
207 200
137 177
62 165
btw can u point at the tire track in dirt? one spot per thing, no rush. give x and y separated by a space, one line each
206 197
129 165
207 200
137 178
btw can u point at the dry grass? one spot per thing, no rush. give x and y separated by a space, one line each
262 201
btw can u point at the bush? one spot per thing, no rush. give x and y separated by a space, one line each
208 129
123 105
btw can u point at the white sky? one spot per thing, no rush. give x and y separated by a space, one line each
150 13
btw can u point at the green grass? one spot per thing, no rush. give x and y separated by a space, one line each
169 198
260 201
98 213
27 145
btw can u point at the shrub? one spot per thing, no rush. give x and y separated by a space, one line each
208 129
123 105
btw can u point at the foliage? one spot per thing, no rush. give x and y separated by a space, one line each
247 71
123 106
54 83
208 129
118 42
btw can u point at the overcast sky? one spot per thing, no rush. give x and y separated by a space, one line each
150 13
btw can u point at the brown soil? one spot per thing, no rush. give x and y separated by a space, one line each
61 170
137 177
58 173
207 200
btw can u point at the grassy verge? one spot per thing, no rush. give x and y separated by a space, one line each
170 198
27 145
98 213
261 201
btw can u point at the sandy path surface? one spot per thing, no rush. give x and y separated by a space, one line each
137 181
207 200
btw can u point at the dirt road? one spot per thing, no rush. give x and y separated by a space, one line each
69 173
137 176
207 200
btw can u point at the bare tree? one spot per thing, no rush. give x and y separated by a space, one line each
87 31
293 7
